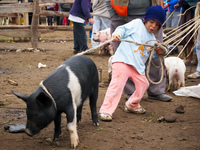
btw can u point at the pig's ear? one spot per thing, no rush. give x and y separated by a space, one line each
44 99
22 96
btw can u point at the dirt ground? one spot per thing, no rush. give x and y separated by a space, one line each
126 131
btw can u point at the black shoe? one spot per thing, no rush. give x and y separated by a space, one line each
76 51
87 53
161 97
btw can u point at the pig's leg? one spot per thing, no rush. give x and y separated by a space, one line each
79 112
93 101
71 123
57 130
182 80
169 86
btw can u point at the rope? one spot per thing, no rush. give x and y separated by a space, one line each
168 17
188 42
153 48
179 41
94 48
192 25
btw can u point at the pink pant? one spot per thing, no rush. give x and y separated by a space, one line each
120 74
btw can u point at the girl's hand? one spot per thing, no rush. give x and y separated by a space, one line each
115 37
159 51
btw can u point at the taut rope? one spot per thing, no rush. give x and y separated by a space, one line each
153 48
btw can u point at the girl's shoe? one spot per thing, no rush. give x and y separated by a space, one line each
105 117
135 111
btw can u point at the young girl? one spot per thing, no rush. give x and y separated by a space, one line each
129 62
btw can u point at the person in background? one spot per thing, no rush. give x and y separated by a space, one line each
80 13
66 7
50 18
101 18
131 58
173 20
30 15
137 9
189 14
196 74
57 8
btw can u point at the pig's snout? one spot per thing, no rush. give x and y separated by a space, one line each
28 132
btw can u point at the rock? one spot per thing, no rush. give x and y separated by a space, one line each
15 127
180 109
12 82
160 119
170 118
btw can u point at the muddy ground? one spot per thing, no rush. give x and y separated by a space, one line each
126 131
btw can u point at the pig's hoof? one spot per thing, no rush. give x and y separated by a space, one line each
74 144
96 123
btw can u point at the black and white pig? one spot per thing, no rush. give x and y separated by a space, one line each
64 90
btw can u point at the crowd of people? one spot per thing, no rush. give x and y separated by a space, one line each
138 21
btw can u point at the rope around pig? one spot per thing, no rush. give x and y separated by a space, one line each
153 48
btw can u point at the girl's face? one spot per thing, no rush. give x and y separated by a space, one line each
152 25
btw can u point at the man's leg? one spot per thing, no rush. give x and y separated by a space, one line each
96 27
197 73
105 23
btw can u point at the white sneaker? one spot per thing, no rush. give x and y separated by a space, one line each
105 117
194 75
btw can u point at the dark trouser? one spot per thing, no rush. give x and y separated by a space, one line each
50 18
80 37
154 73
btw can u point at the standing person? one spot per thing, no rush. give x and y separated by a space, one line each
196 74
173 20
80 13
131 58
186 4
136 9
101 18
66 8
50 18
30 15
57 8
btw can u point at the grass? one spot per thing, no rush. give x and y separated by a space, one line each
5 40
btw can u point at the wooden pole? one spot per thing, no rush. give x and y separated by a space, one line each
26 20
34 24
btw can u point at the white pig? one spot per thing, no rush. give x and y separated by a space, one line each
102 36
175 68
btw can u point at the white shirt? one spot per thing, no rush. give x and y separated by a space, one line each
76 19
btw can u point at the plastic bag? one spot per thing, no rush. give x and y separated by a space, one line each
189 91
